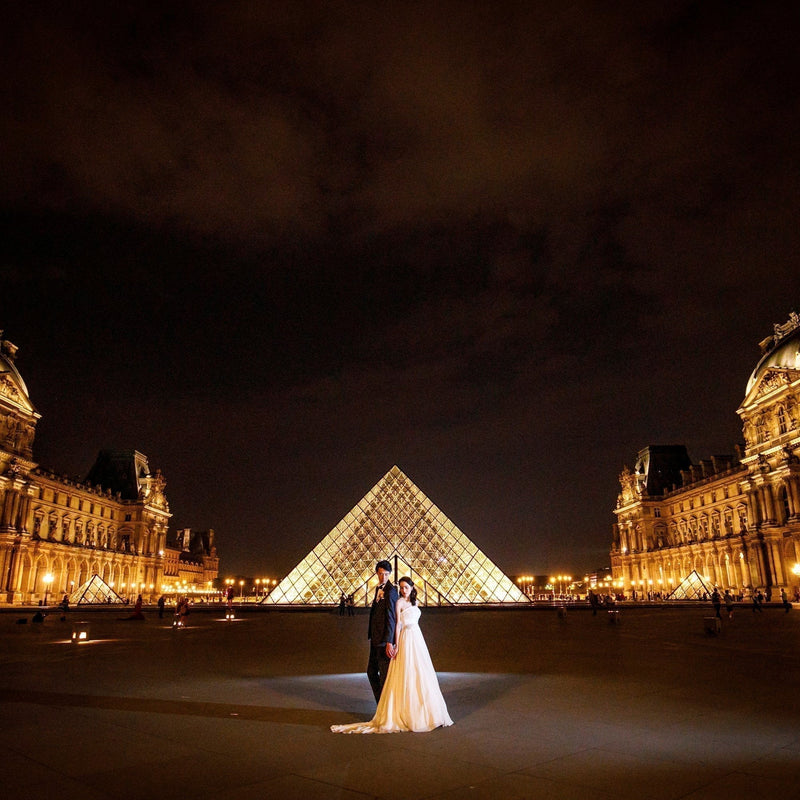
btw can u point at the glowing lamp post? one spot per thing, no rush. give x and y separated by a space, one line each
48 579
241 591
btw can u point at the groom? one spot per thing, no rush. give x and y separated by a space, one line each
381 629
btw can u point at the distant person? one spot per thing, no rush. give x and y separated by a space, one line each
728 598
785 601
351 606
182 612
757 600
342 604
162 602
137 609
64 606
594 602
716 601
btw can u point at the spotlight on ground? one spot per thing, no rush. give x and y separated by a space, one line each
80 632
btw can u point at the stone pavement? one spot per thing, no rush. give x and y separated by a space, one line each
652 708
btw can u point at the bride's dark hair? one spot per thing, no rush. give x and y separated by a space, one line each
413 596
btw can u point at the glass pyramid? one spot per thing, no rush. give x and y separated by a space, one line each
692 587
94 591
396 521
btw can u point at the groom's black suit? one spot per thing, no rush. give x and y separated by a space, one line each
382 620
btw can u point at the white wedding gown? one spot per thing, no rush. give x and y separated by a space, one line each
411 699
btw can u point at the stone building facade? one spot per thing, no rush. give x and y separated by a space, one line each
56 532
733 519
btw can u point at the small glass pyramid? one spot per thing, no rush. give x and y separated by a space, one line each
94 591
692 587
397 522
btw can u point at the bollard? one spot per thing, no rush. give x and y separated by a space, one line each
562 612
613 617
712 625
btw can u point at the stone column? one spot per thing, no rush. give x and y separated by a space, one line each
793 492
9 501
769 503
753 501
24 513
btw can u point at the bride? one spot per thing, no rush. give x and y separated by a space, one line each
411 699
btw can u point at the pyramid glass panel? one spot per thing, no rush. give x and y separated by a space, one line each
396 521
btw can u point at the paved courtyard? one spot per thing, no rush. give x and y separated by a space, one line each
652 708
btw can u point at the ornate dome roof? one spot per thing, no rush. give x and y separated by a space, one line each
780 351
12 388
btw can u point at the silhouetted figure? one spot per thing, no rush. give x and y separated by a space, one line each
162 601
716 601
728 598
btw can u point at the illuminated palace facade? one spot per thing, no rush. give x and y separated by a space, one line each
735 520
56 532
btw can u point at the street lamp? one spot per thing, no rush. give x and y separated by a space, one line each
48 579
241 590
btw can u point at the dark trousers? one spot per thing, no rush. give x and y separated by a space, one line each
377 668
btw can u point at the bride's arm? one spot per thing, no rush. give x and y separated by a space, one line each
398 625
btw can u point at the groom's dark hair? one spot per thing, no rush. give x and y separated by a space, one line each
383 565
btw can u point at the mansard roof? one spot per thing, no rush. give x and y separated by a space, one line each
121 471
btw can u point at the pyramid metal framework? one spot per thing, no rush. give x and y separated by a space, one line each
396 521
94 591
692 587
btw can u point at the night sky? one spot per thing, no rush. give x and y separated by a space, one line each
281 247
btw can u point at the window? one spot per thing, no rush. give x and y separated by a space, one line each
783 500
781 415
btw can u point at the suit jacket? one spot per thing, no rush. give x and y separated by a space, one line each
382 616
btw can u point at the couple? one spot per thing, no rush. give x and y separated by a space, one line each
400 670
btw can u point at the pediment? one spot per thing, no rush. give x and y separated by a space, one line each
773 380
14 393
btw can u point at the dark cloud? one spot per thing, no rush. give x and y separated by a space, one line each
281 247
